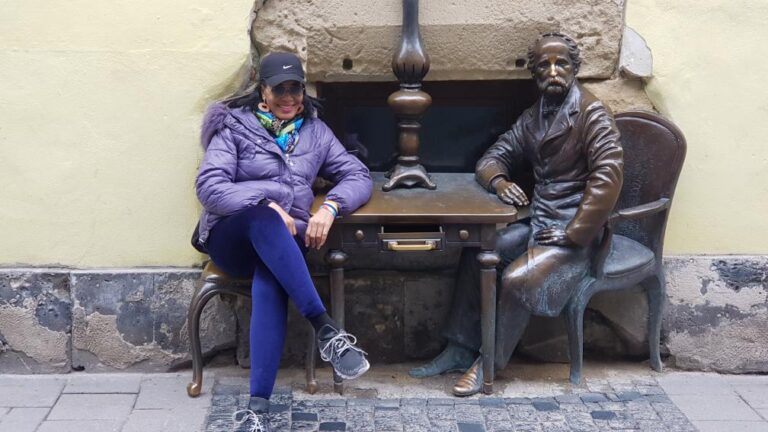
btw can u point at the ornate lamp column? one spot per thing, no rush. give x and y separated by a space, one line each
410 65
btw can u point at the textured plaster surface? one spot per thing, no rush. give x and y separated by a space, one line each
700 49
621 94
717 319
493 35
35 321
102 104
138 319
101 109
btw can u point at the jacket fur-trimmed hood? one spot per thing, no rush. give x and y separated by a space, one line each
212 122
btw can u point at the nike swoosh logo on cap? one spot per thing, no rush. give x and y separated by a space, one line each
287 67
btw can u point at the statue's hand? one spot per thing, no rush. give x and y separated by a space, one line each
510 193
553 236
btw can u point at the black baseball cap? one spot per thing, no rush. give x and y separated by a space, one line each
280 67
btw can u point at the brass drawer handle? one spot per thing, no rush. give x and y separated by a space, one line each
428 245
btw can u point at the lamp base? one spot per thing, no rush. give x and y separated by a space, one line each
408 176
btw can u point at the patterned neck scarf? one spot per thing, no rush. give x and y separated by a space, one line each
286 132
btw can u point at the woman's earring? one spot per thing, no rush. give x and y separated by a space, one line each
263 106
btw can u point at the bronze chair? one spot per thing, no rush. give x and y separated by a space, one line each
212 282
631 249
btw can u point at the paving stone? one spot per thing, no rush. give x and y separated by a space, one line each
546 405
303 416
30 392
416 402
168 392
441 402
22 419
171 420
715 407
333 426
593 397
388 424
568 399
741 426
3 411
497 402
755 395
628 395
81 383
92 407
636 412
492 426
555 427
471 427
603 415
517 401
527 427
387 403
331 403
79 426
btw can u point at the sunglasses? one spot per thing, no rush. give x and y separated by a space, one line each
289 90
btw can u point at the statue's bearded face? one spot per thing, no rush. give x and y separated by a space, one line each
553 68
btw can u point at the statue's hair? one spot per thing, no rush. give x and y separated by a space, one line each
573 50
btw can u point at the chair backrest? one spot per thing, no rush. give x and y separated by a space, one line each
654 151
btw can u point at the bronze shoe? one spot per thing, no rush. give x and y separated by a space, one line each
471 381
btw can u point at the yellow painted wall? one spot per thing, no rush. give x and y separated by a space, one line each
710 63
100 105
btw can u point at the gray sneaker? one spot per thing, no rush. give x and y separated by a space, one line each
250 421
338 348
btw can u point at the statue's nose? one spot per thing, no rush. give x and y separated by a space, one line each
552 70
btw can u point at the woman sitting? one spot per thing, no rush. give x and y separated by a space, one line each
263 151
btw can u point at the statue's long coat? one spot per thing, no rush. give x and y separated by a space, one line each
577 165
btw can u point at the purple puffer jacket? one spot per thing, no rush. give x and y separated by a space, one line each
243 165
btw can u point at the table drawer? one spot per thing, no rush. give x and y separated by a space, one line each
411 238
462 233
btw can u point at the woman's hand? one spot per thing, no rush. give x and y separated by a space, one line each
319 225
289 222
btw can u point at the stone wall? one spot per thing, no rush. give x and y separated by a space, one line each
57 320
53 320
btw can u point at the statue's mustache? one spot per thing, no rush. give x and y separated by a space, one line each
556 81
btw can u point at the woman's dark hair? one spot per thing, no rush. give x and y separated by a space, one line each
251 99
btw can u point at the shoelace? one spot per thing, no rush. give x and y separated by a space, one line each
338 344
247 414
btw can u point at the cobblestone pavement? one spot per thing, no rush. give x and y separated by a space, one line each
528 397
642 406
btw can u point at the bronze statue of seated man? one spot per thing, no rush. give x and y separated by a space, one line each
570 142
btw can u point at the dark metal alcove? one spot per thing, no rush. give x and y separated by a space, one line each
465 118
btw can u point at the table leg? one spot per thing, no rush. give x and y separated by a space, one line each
488 261
336 259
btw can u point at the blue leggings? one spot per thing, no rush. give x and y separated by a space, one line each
255 242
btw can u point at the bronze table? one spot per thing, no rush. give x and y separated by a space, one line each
459 213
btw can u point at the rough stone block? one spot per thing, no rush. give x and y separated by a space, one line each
35 321
492 39
427 305
636 59
137 319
